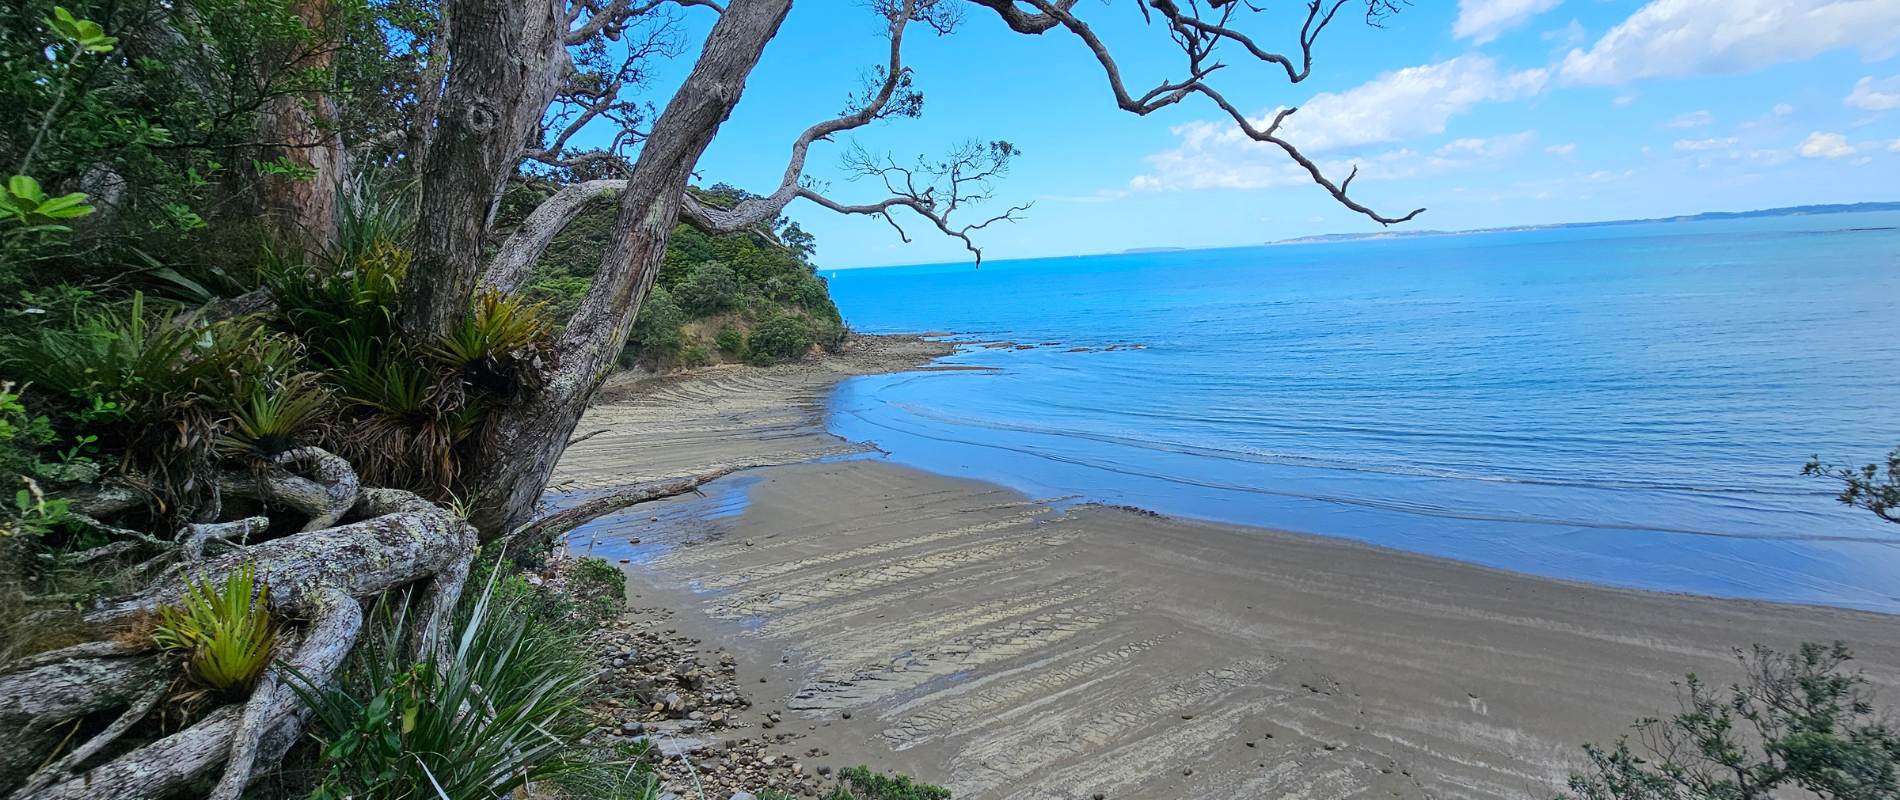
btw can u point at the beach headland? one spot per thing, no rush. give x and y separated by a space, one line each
1017 647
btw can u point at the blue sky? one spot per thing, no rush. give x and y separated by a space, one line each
1487 112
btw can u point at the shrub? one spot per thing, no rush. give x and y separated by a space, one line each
730 340
710 288
227 631
783 337
497 339
500 710
1799 724
656 338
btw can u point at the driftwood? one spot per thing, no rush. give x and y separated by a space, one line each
321 575
546 529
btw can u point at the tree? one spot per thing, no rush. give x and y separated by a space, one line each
1797 722
522 72
1865 487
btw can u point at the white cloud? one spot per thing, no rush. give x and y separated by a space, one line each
1894 145
1700 37
1262 169
1569 35
1624 99
1483 20
1782 109
1405 103
1875 95
1494 147
1564 150
1825 145
1396 106
1693 145
1693 119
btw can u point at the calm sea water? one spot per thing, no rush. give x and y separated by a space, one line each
1626 405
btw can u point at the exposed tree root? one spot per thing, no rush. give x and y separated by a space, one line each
322 574
359 544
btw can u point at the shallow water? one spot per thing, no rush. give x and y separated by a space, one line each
1628 405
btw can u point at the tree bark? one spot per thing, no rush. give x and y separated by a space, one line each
508 59
524 247
531 435
36 700
299 131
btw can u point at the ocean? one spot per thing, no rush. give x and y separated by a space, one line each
1627 405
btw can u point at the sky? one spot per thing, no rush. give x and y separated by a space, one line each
1485 112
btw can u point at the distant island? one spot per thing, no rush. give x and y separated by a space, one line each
1788 211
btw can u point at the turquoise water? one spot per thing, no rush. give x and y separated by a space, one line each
1627 405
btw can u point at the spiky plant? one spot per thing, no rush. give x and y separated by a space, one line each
406 418
152 385
501 708
225 630
499 335
351 302
275 417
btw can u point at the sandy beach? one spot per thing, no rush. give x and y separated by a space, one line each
1019 647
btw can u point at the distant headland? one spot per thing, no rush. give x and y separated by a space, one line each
1787 211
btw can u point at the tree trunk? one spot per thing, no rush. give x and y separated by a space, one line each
508 58
298 131
531 435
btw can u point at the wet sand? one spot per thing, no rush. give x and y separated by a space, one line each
1015 647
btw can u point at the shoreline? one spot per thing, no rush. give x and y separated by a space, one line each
971 636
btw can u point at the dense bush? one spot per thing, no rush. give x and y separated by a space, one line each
656 339
709 288
781 337
731 341
740 279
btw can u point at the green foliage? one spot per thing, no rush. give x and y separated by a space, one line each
737 279
397 727
1799 723
28 207
731 341
656 339
84 34
226 631
22 435
709 289
274 416
778 338
1868 486
351 305
133 107
495 342
155 386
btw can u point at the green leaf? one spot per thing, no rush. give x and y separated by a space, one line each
65 206
25 188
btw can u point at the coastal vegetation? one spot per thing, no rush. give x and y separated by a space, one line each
1799 722
303 302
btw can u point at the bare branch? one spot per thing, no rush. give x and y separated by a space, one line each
934 190
876 103
1198 31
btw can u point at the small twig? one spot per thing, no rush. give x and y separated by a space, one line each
582 438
